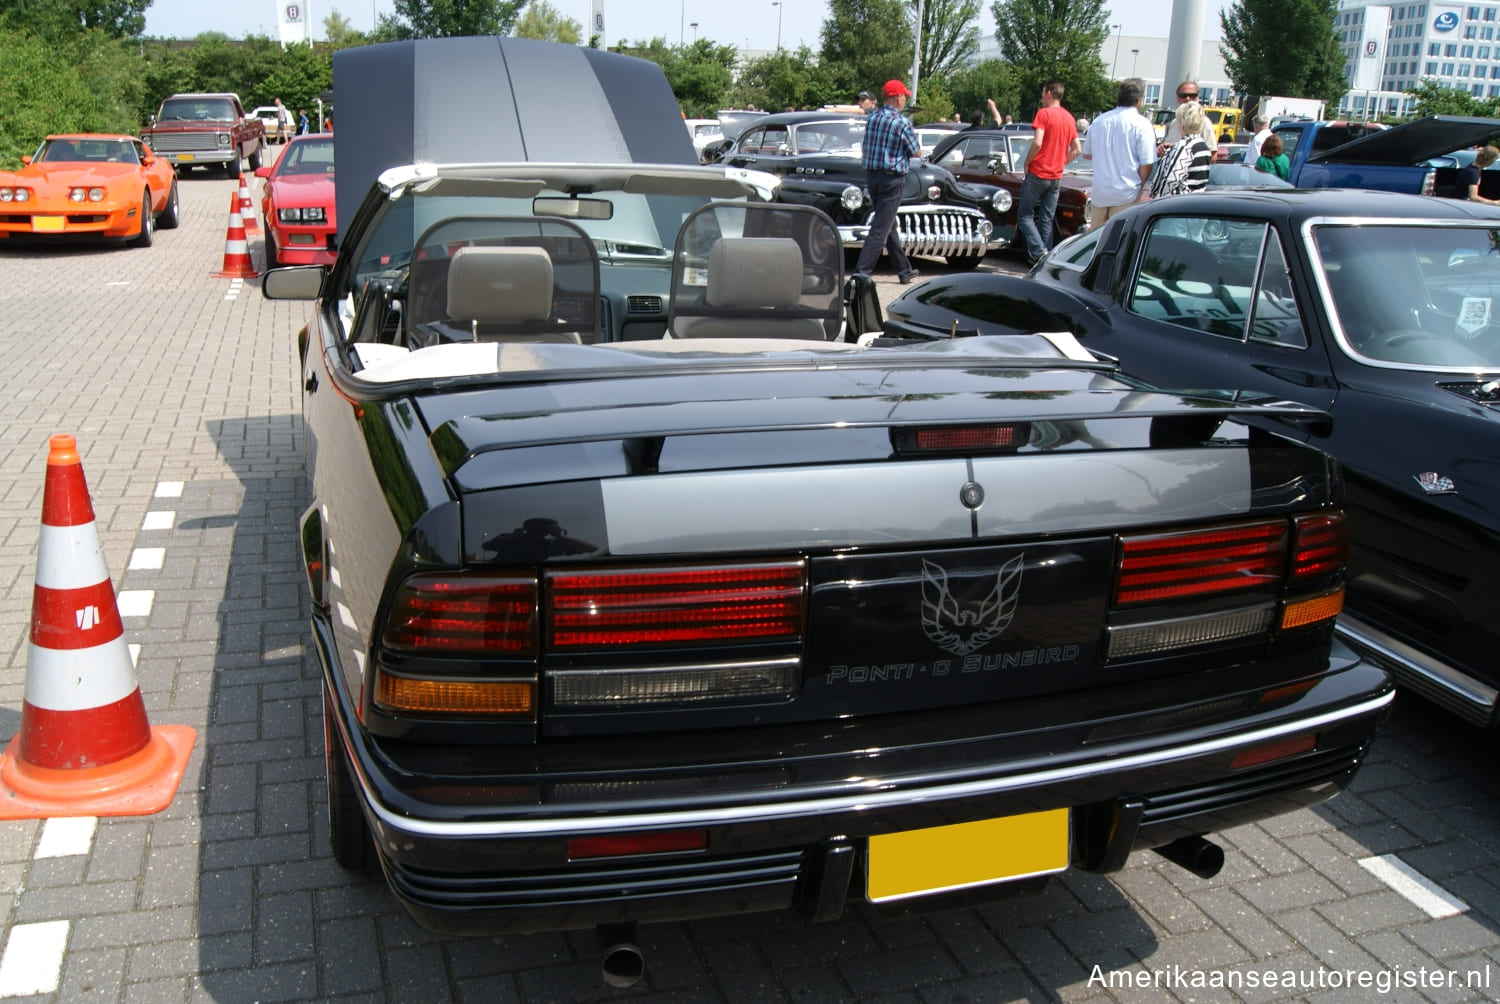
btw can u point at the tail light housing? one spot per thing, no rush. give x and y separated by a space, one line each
1184 589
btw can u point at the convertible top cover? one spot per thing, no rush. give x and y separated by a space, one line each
495 100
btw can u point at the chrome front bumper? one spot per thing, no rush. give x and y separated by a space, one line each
935 230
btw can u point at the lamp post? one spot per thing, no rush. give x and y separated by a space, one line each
694 25
1114 67
1134 55
779 9
681 20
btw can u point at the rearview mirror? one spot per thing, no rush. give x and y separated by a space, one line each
573 209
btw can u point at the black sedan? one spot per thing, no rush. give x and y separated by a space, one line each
817 157
1379 308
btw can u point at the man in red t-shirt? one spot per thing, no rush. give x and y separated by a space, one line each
1054 144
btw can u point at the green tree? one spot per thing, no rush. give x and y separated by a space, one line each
950 36
994 79
785 79
865 43
1434 98
56 19
543 21
699 73
1283 47
1058 40
448 18
340 34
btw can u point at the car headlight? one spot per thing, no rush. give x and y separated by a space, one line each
851 198
1001 201
223 139
8 195
96 195
312 214
77 194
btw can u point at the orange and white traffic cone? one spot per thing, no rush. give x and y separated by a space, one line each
237 263
247 209
85 747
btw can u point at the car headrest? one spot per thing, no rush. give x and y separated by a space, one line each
500 285
754 272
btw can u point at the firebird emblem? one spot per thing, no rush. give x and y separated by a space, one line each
962 628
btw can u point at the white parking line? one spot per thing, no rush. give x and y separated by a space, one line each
1432 898
135 602
148 557
235 285
32 963
169 489
65 836
160 519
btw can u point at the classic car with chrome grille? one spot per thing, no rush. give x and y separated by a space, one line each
817 157
766 610
996 157
1377 307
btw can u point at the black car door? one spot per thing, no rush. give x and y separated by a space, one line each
1210 303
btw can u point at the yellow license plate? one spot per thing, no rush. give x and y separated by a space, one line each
48 224
184 156
899 865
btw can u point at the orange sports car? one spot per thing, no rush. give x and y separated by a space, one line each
89 186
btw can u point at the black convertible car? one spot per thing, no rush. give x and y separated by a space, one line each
1378 308
766 610
817 157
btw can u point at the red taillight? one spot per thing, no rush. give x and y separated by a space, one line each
454 614
964 438
623 844
1170 566
663 606
1320 545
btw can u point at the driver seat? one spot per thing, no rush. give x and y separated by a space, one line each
504 294
749 280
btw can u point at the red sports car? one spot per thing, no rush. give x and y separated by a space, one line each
89 185
296 203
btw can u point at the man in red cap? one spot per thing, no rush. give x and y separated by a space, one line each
889 143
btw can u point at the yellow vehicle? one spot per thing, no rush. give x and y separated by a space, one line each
1226 122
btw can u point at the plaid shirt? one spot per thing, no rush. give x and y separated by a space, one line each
889 141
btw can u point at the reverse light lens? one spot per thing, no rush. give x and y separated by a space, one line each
455 697
1195 563
1131 640
674 605
467 614
578 688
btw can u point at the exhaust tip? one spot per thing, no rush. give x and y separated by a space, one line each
621 961
1199 856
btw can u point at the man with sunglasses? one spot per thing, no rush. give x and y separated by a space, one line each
1187 91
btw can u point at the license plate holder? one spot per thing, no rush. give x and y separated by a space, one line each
963 855
48 224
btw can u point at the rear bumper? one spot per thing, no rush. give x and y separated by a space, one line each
488 855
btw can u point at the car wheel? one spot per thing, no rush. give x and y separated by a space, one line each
255 160
232 168
171 213
348 832
965 262
272 253
143 239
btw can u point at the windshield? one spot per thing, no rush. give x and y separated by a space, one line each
99 151
307 156
196 109
1418 296
841 136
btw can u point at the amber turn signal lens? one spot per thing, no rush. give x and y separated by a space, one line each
1300 613
455 697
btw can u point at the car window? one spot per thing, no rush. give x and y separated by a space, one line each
751 140
774 140
1289 139
307 157
1203 273
1076 252
1415 296
830 137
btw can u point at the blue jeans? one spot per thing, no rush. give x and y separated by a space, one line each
885 190
1034 212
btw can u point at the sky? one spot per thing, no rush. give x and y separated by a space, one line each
752 24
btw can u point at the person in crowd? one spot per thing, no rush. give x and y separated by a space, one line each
1272 160
1467 186
1008 120
867 102
1186 91
282 115
1054 142
1185 164
1261 126
1122 145
1082 125
302 123
890 143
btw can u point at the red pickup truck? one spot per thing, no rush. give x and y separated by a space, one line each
206 130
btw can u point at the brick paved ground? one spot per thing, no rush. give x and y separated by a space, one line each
184 401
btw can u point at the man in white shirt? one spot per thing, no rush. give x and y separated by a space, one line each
1122 146
1262 126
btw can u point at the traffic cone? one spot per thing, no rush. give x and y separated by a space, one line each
237 263
247 208
85 747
